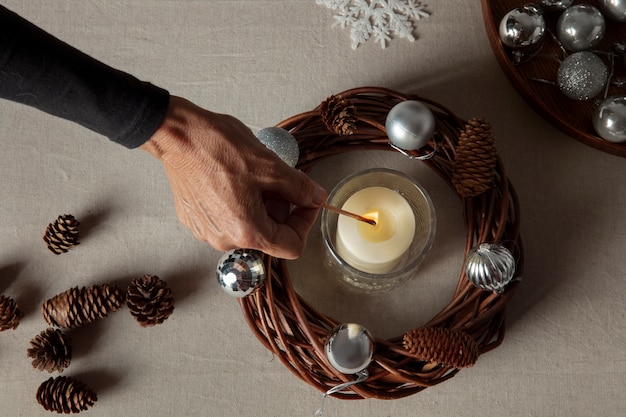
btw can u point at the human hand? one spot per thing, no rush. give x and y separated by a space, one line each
228 188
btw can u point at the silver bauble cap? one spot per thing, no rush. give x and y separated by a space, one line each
240 271
490 266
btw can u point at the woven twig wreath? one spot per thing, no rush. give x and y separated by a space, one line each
470 325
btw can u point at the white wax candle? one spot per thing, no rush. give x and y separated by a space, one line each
375 249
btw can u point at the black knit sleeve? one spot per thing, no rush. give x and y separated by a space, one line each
39 70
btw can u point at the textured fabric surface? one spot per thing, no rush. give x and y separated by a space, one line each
264 61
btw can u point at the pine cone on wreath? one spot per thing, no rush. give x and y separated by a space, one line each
448 347
476 158
77 307
65 394
149 300
62 235
10 314
51 350
338 115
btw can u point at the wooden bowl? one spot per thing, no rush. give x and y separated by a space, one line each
571 116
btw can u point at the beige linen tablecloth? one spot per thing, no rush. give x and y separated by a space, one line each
263 61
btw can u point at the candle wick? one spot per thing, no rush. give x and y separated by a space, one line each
337 210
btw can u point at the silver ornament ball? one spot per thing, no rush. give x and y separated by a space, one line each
609 119
582 75
350 348
580 27
555 5
282 143
240 272
522 27
614 9
490 266
410 125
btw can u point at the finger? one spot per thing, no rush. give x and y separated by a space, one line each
289 239
297 188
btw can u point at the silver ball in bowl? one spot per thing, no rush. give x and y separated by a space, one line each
240 272
609 119
522 27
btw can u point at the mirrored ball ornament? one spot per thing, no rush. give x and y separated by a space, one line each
614 9
282 143
350 348
582 75
580 27
609 119
522 27
555 5
240 272
490 266
410 125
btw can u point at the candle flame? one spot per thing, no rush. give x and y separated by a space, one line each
373 215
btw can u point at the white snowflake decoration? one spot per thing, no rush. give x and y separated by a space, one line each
380 18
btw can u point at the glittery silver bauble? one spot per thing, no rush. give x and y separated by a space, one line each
609 119
614 9
582 75
240 271
349 348
522 27
490 266
555 5
580 27
282 143
410 125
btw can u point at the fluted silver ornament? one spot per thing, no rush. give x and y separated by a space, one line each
609 119
614 9
240 271
582 75
410 125
555 5
282 143
580 27
490 266
522 27
350 348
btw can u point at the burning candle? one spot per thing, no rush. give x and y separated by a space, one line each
375 249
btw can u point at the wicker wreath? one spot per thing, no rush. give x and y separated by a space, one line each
471 324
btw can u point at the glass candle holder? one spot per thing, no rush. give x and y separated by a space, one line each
372 279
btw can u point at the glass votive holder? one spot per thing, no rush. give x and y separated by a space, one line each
370 280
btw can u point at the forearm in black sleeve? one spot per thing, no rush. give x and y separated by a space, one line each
39 70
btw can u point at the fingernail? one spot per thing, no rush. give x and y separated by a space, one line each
319 194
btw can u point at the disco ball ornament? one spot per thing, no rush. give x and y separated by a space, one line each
282 143
410 125
350 348
582 75
240 272
614 9
580 27
609 119
555 5
522 27
490 266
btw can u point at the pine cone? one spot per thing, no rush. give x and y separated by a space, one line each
10 314
51 350
338 115
76 307
62 235
65 394
149 300
476 158
448 347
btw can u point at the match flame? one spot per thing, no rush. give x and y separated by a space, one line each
373 215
